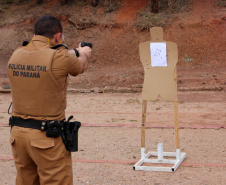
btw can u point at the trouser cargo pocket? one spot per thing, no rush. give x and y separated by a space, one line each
42 144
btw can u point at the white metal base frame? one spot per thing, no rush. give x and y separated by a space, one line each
179 157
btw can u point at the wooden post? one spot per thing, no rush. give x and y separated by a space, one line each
144 110
176 126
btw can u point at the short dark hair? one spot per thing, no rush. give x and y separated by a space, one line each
48 26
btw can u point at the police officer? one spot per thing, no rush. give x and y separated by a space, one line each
38 78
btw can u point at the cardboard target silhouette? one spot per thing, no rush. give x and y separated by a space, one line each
159 80
159 59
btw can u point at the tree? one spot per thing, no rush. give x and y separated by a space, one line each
94 3
154 6
171 4
39 1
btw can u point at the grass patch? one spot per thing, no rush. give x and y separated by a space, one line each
180 6
146 19
114 120
181 102
3 2
133 120
187 59
111 6
221 3
158 108
130 101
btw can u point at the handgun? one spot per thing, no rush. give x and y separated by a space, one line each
86 44
83 44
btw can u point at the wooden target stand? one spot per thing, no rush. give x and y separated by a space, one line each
159 80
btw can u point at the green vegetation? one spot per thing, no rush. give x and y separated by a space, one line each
188 59
114 120
133 120
221 3
136 101
146 19
181 102
2 2
180 6
111 6
6 2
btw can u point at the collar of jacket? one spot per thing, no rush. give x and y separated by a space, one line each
42 39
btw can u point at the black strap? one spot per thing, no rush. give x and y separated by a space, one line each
25 43
28 123
10 107
76 52
59 45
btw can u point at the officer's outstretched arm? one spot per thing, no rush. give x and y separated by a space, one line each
84 61
83 54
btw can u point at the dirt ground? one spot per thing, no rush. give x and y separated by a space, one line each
107 97
109 139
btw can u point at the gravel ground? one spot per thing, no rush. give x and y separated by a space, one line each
107 154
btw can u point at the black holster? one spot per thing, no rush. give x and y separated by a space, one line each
70 134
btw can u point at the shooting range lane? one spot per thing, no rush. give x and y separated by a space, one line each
112 150
213 115
196 110
130 162
109 154
120 145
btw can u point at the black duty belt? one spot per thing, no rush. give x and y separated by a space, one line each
28 123
68 130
